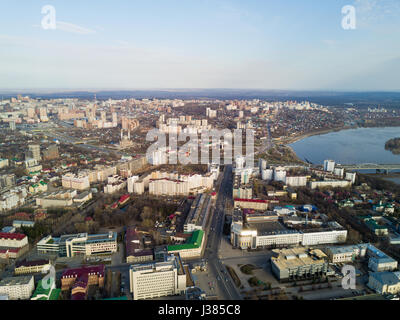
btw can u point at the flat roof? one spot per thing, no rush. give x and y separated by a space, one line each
193 243
12 236
14 281
297 257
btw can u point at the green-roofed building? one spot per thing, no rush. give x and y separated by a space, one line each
192 248
46 294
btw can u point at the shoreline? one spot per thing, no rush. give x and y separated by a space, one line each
290 140
287 141
293 139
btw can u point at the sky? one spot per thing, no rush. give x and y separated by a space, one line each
166 44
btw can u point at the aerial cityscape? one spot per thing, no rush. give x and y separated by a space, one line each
248 188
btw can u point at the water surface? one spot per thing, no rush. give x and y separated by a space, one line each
353 146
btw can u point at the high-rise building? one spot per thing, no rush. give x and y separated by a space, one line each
12 125
7 180
211 113
34 152
43 114
30 112
329 165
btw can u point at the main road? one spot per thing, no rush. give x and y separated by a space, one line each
215 234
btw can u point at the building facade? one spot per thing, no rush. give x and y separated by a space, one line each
158 279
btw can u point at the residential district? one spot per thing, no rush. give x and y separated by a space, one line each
84 214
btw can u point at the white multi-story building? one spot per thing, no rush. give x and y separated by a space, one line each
159 156
280 174
211 113
351 176
329 165
138 187
71 181
324 237
62 198
254 236
296 181
13 240
339 172
378 261
330 184
114 184
262 164
79 244
166 186
17 288
13 198
346 253
164 183
267 174
131 181
158 279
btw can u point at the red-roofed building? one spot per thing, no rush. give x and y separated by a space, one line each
40 216
22 216
10 253
114 205
80 278
13 240
124 199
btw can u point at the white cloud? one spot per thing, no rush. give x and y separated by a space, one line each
370 12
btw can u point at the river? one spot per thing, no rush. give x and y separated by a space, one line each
353 146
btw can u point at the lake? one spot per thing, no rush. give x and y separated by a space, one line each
353 146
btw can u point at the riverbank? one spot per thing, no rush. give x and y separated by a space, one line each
346 144
290 140
392 177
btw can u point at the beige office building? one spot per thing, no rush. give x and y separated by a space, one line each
158 279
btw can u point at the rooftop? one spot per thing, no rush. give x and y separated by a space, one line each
297 257
12 236
193 243
100 269
14 281
25 263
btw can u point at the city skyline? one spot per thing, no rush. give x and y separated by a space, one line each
208 44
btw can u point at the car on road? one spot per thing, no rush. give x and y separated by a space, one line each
218 278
